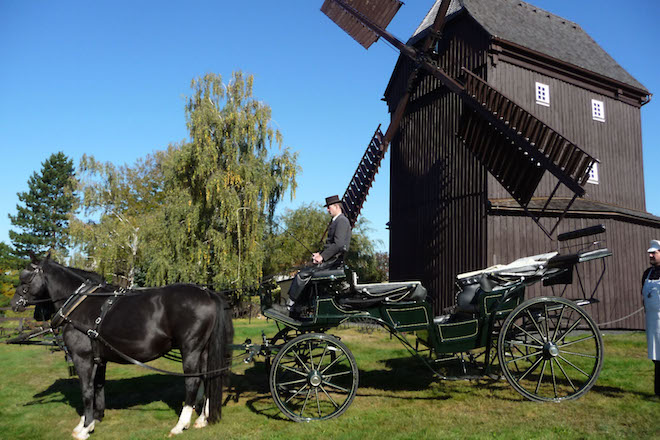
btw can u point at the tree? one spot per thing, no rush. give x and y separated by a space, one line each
197 211
293 237
123 198
297 233
43 217
232 182
10 267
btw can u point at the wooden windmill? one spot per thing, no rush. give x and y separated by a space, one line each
516 147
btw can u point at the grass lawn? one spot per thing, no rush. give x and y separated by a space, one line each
397 399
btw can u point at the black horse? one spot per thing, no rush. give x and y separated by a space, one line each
100 325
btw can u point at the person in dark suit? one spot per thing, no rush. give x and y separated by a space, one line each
332 254
339 237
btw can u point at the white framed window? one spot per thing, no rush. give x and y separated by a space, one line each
597 110
543 94
593 174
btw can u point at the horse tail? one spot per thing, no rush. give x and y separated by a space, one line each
219 356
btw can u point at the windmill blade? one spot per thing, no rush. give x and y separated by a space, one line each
515 147
379 12
363 178
431 38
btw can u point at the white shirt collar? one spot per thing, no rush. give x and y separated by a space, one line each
335 217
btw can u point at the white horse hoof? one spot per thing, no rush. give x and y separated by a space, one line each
184 421
79 426
200 423
82 433
176 430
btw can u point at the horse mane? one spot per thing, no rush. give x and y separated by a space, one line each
84 275
92 276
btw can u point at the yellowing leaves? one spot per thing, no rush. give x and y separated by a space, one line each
232 179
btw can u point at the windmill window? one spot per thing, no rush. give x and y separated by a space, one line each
597 110
593 174
543 94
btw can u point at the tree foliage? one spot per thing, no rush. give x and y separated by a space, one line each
10 266
299 231
293 237
43 215
121 199
232 180
196 212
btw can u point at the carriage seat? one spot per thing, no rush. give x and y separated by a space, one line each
331 274
368 295
467 300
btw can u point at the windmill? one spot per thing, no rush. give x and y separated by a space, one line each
517 148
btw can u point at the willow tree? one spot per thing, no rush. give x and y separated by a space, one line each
235 171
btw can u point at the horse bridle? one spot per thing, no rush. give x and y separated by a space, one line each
22 301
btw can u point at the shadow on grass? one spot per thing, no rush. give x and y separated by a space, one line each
395 376
617 392
119 393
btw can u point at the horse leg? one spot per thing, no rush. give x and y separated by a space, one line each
201 421
99 393
85 368
191 364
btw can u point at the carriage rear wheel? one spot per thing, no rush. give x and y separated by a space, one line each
313 377
550 350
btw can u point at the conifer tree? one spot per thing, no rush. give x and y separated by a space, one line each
42 214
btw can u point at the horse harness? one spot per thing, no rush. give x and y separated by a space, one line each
76 299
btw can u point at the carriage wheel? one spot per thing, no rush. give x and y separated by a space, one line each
313 377
550 350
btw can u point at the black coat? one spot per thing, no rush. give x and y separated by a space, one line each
338 241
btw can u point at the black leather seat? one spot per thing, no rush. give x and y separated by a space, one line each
363 296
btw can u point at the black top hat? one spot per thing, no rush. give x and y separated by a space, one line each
331 200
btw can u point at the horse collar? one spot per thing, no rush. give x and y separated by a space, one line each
72 302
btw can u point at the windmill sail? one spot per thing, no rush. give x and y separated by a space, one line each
364 176
379 12
514 146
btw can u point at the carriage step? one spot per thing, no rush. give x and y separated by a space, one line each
280 316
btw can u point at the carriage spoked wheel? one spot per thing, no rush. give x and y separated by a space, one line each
313 377
550 350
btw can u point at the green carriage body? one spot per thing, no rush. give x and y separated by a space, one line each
463 332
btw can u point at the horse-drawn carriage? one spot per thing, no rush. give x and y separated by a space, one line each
547 348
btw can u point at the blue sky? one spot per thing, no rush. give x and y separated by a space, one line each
108 78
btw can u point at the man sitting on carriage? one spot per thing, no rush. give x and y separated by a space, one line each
331 256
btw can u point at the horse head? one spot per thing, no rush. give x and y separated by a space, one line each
32 287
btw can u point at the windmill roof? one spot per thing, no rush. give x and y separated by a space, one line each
536 29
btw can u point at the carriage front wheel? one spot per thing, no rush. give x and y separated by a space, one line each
550 350
313 377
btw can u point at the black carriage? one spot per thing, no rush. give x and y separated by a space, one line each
548 348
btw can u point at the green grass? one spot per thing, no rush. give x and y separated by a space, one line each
397 399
